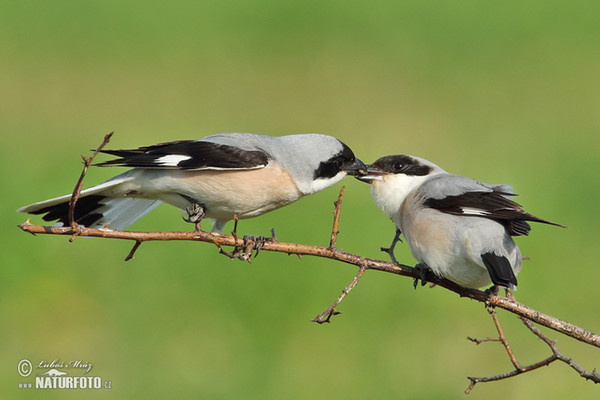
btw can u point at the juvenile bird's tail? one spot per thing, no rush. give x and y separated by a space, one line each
98 206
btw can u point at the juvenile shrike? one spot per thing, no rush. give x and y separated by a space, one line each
458 227
219 176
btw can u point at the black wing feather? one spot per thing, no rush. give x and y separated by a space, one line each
494 204
202 155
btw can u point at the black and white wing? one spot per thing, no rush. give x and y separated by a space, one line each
458 195
189 155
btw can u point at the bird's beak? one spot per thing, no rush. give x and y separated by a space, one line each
356 169
372 174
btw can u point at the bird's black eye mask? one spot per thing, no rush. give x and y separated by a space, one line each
333 166
401 164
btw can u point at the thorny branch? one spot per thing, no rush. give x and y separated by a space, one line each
519 369
331 311
77 191
491 300
336 218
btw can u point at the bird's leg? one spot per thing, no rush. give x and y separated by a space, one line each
492 291
423 270
390 250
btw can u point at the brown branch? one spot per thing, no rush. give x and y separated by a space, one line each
519 369
133 250
512 306
504 342
593 376
336 218
77 191
331 311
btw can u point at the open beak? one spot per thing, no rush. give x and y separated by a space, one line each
372 174
356 169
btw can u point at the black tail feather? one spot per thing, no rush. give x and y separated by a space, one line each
500 270
85 211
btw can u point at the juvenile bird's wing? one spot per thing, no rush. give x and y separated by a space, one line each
459 195
189 155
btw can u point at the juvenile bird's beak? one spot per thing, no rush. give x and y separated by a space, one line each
356 169
372 174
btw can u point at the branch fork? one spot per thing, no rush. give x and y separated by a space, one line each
520 369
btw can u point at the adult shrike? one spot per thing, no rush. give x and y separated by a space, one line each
458 227
219 176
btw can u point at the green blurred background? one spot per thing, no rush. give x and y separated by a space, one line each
504 92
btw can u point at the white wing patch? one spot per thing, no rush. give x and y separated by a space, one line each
474 211
171 160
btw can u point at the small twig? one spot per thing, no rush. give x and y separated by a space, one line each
235 224
77 191
327 314
336 218
593 376
502 338
133 250
519 369
325 317
487 339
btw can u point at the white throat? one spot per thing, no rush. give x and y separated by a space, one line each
391 191
316 185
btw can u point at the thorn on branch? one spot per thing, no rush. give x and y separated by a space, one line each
273 238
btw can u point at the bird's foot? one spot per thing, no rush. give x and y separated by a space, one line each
489 293
250 244
195 214
495 291
423 270
492 291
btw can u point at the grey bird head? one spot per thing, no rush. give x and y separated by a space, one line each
400 164
316 161
393 178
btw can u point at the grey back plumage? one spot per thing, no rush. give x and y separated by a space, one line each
440 186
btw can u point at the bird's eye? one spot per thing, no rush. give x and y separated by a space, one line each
398 166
